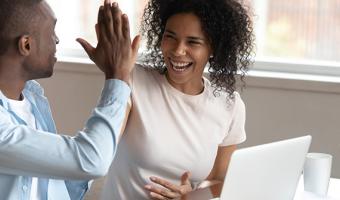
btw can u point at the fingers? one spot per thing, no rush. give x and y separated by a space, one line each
135 46
100 19
108 19
117 19
169 190
157 196
160 193
87 47
185 179
97 31
116 24
125 26
100 16
101 27
165 184
114 54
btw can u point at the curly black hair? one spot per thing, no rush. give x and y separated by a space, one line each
228 26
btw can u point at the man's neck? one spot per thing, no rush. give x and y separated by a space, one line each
12 91
11 82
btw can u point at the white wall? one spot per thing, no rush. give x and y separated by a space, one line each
280 109
276 108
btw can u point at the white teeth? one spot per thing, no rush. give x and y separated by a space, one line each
179 64
178 69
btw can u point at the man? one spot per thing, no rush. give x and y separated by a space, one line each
36 163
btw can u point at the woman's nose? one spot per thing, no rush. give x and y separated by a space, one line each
179 49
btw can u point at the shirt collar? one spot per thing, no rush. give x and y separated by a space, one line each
30 87
34 87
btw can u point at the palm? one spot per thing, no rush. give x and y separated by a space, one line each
114 54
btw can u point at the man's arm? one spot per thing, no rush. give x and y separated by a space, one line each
24 151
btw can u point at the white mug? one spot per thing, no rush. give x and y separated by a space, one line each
317 172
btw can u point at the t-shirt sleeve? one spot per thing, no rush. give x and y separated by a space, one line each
136 77
236 133
133 75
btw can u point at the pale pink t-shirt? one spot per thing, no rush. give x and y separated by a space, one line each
169 132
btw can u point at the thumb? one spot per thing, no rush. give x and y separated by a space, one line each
135 45
86 46
185 179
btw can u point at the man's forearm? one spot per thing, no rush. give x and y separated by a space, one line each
85 156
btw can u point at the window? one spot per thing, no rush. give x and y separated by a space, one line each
287 31
298 29
77 18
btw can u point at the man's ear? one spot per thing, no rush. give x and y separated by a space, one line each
25 45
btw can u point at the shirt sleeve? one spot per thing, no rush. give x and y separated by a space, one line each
236 133
28 152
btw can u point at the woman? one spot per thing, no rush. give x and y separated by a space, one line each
182 128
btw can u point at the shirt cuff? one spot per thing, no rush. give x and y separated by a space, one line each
114 91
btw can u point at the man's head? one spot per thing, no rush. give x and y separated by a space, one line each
27 32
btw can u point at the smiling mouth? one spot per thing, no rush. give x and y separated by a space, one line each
180 66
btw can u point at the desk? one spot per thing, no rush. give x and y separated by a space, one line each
214 191
333 191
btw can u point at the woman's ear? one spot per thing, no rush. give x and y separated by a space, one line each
24 45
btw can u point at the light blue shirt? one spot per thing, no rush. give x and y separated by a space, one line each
64 164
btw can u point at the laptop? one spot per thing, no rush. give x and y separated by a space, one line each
266 172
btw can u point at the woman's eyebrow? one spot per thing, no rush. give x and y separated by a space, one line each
190 37
196 38
169 31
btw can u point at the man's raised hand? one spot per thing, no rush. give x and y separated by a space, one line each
114 54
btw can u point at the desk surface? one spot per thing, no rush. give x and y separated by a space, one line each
215 190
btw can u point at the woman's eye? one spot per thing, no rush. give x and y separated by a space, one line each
194 43
169 36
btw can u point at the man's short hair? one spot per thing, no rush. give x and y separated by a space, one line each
17 17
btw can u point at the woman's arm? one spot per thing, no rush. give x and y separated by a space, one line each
127 112
221 164
217 174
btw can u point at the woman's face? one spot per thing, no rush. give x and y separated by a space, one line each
186 50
